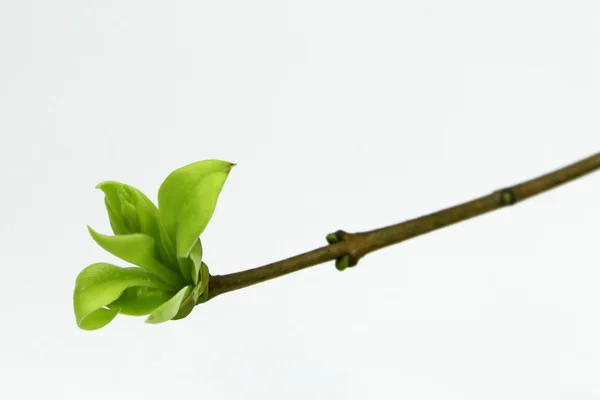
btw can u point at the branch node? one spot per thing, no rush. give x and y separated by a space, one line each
350 259
506 196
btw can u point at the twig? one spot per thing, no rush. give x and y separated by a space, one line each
348 248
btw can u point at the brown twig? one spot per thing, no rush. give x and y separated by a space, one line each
348 248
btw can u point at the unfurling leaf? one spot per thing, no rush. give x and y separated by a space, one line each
101 284
198 295
187 199
196 259
138 249
140 300
190 266
98 319
130 211
169 310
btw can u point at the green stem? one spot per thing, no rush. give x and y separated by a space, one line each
349 248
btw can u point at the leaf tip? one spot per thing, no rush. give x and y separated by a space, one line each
102 185
95 235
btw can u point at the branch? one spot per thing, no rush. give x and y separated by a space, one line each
348 248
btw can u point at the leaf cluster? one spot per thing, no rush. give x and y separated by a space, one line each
169 277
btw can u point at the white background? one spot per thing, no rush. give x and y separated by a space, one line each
340 115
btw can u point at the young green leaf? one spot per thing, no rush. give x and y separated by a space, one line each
197 211
185 266
140 300
198 294
186 307
169 309
187 200
138 249
204 279
196 258
189 266
101 284
166 250
98 319
114 198
130 211
114 216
